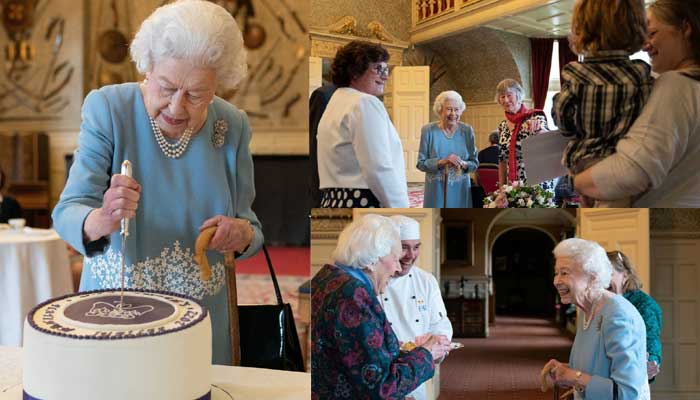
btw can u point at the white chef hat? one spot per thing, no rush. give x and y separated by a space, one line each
410 228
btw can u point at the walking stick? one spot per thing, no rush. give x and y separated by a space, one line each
230 263
200 257
444 187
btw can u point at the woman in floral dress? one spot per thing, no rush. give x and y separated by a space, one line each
355 353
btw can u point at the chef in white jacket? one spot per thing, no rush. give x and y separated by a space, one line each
412 301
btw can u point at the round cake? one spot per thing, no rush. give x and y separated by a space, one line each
157 345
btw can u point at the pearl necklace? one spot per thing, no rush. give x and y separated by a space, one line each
587 322
447 134
172 150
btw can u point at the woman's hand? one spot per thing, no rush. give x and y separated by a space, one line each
232 234
437 345
562 376
535 125
652 369
119 201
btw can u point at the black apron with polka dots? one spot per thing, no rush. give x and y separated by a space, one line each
348 198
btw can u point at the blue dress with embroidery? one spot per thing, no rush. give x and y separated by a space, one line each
434 146
177 196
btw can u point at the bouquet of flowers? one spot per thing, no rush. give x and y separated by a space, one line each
517 195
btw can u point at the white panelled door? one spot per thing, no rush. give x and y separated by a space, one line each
624 229
407 98
676 276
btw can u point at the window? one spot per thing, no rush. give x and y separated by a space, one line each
555 84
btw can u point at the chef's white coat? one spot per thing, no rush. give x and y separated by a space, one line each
413 305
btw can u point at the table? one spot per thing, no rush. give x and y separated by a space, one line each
240 382
34 267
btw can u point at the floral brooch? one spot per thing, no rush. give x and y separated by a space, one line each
220 129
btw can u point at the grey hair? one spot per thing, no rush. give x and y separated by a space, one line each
448 95
195 30
512 85
362 243
592 259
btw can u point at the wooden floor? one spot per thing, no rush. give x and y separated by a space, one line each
506 365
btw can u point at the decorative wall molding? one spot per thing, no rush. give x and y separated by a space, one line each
326 40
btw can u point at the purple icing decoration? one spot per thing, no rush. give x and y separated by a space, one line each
27 396
65 331
103 310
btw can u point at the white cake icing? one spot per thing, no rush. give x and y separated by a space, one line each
83 347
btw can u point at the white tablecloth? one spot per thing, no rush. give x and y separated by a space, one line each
34 267
241 383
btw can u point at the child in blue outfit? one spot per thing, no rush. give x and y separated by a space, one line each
602 96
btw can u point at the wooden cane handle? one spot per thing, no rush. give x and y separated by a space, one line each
200 252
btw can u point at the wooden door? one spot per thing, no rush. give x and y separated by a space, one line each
675 275
624 229
407 98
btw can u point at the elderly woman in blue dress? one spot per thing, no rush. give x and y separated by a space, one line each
608 358
447 145
354 352
192 166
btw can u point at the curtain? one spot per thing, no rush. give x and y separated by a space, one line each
541 63
565 54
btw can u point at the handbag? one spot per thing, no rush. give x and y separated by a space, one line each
268 335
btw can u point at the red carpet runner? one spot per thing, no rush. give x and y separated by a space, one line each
505 366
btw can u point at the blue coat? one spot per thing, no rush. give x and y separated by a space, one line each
612 349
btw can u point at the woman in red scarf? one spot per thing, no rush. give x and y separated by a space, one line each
520 123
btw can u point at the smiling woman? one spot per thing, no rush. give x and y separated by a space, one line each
360 156
181 140
608 358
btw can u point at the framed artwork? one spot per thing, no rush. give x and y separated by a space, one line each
459 244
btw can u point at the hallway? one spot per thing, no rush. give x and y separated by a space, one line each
507 364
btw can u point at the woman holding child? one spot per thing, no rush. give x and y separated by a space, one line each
601 96
656 162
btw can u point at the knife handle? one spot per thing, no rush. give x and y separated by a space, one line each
126 170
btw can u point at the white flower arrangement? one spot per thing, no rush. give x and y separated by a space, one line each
517 195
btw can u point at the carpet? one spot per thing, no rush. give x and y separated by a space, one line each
415 195
507 364
293 261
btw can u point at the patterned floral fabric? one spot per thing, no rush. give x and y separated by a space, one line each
505 134
354 352
652 316
174 270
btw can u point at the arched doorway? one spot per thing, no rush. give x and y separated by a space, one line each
523 267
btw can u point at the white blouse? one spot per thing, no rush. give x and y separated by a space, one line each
359 148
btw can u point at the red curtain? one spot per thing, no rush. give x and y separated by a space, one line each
541 63
565 54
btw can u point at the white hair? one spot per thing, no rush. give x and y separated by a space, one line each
448 95
592 259
362 243
195 30
509 85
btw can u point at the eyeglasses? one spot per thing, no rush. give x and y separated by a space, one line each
195 99
382 69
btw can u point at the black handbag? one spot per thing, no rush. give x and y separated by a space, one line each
268 335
